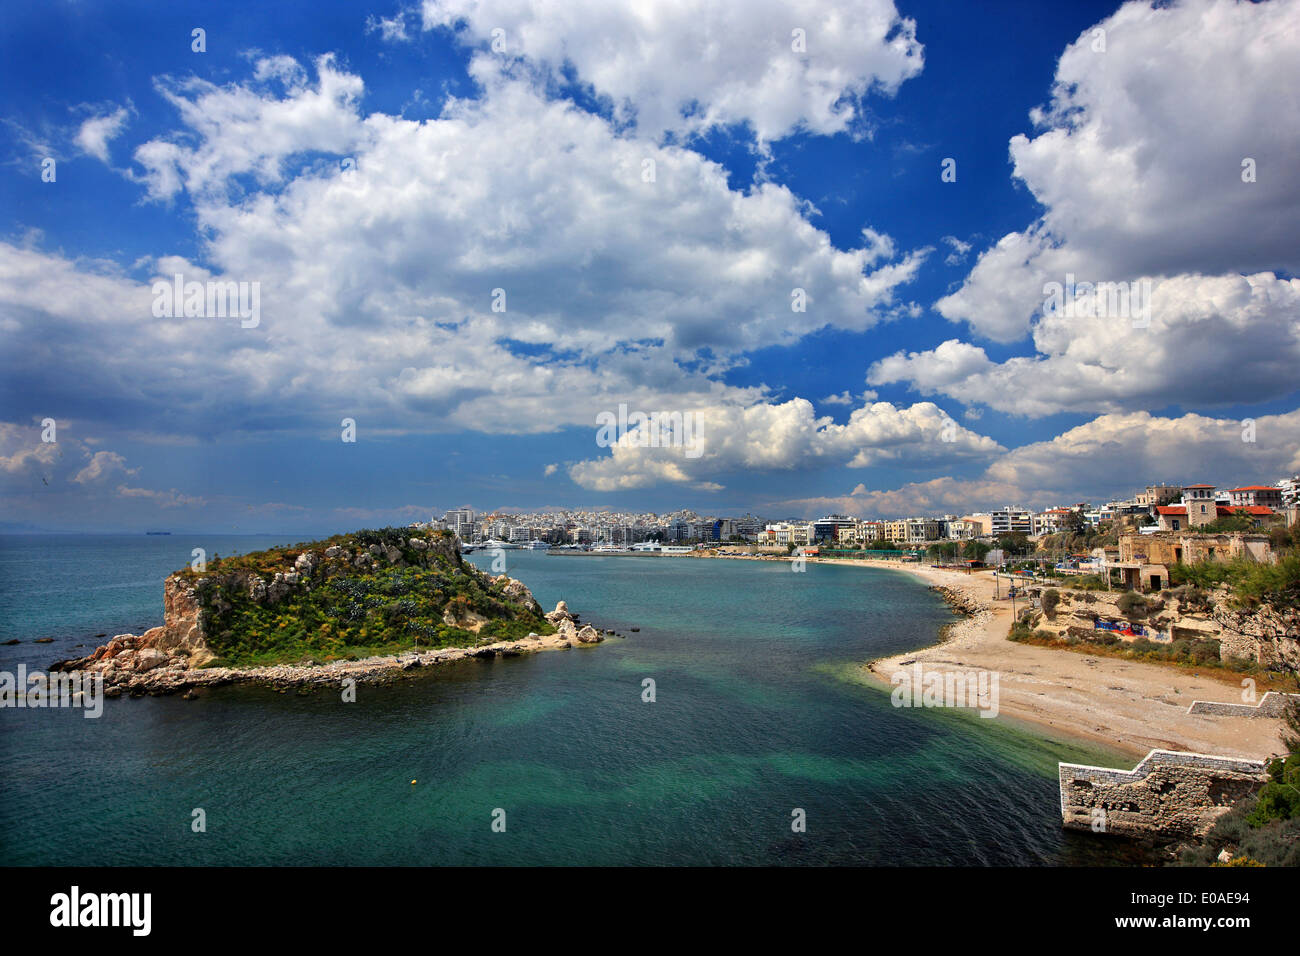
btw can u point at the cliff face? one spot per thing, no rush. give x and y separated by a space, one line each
357 595
1267 635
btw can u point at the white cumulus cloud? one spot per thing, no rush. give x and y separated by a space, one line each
692 65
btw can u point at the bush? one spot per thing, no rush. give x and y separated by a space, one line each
1279 799
1132 605
1252 583
1275 842
1050 599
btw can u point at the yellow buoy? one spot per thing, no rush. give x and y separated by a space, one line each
413 783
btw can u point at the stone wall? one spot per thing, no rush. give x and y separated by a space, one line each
1171 547
1266 635
1271 704
1169 794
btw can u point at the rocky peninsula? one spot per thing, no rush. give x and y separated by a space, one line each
364 606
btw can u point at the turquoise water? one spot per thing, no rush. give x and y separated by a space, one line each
760 710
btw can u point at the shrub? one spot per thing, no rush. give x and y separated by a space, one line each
1252 583
1132 605
1050 599
1279 799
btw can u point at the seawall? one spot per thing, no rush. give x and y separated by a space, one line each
1169 794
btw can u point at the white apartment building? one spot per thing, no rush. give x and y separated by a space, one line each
1050 521
786 533
1011 520
1267 496
1290 490
461 520
959 529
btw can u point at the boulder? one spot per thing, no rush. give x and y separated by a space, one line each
518 592
589 635
463 618
561 613
277 589
149 658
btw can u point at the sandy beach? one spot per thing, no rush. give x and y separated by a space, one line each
1130 706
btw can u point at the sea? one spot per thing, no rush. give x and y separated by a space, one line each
735 727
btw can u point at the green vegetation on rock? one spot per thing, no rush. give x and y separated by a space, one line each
355 595
1253 583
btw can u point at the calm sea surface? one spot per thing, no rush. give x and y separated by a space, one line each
760 710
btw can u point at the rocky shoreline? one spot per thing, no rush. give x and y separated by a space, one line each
961 603
140 666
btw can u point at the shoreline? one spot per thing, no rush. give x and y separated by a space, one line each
1130 706
1126 706
170 680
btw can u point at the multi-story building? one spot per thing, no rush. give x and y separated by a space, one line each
959 529
1198 502
827 529
1050 521
1266 496
785 533
746 528
1290 488
869 531
1011 520
1158 495
461 520
896 530
921 530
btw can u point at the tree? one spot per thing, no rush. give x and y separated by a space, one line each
1229 524
945 550
1016 543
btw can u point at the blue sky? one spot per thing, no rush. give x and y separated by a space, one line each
379 172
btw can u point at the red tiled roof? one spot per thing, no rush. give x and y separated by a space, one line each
1256 488
1172 510
1260 511
1198 486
